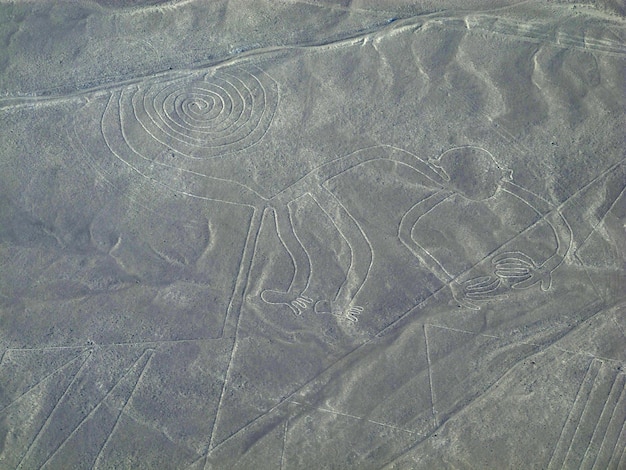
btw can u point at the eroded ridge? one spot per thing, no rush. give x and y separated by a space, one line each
605 41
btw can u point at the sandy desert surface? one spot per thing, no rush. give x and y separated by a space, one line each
312 234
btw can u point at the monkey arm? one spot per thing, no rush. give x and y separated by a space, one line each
559 225
406 227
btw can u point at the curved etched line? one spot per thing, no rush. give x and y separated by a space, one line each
482 285
293 245
340 165
405 229
78 143
150 109
221 190
299 256
361 265
182 99
560 226
332 221
538 205
229 120
249 106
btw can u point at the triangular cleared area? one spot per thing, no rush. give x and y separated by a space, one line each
134 444
43 419
385 381
84 446
259 445
23 369
464 364
24 418
318 438
178 397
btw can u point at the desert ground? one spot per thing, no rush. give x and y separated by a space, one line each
312 234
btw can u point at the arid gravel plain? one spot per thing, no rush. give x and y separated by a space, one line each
322 234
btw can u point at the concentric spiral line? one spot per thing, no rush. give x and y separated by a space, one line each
200 116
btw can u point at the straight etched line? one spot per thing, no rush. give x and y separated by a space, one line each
413 23
550 38
123 407
619 327
433 295
156 343
430 378
195 462
360 418
127 343
282 452
247 256
526 343
585 186
604 216
390 426
568 430
590 415
619 452
46 377
459 330
601 427
96 408
251 422
619 423
47 421
622 461
593 284
242 280
47 348
221 399
610 432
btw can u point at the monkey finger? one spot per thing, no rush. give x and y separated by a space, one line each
506 273
513 257
478 281
484 287
512 265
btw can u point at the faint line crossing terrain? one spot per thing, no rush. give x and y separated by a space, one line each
547 33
